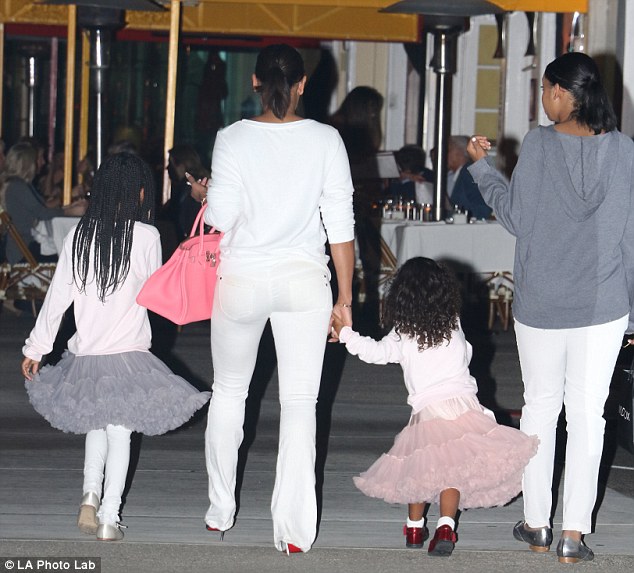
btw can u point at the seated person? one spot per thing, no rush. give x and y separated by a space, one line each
411 164
461 188
24 204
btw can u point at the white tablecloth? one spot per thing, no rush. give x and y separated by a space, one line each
50 234
476 247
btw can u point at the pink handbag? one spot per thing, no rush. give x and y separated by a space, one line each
182 290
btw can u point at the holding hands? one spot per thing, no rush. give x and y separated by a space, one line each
478 147
341 316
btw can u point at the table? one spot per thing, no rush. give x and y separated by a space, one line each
477 247
50 234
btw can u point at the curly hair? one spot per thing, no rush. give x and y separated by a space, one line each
122 193
423 302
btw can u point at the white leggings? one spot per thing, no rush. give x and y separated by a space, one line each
107 452
298 301
573 367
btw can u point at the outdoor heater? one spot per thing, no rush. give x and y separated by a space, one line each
445 21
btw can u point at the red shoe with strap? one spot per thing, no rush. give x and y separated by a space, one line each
415 536
443 542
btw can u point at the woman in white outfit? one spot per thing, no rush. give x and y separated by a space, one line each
280 189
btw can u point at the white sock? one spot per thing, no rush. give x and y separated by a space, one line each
420 523
446 521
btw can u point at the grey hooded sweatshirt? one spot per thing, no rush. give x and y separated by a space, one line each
570 205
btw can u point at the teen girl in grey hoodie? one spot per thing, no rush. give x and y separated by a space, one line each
570 206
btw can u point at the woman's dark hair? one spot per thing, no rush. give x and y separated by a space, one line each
423 302
116 202
578 74
278 68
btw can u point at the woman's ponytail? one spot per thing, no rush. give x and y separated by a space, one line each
578 74
278 68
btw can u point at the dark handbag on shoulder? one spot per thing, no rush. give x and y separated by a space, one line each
182 290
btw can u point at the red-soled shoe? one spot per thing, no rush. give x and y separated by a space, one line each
222 533
443 542
290 548
415 537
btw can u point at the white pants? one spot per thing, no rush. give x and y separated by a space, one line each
298 301
107 455
572 367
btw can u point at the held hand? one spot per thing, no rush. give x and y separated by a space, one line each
478 147
199 188
30 368
341 316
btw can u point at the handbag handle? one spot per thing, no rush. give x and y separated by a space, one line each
199 222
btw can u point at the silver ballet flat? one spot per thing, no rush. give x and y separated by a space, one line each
87 516
110 532
539 539
572 551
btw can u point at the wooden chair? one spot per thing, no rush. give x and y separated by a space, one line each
388 267
28 280
500 298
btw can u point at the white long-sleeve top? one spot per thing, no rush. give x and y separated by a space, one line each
272 185
118 325
430 375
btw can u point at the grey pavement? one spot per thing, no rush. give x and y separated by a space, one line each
361 409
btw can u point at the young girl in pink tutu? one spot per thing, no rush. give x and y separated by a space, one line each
452 451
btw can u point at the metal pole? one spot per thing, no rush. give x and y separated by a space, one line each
31 81
170 107
100 62
445 44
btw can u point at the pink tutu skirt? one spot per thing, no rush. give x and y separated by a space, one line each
457 444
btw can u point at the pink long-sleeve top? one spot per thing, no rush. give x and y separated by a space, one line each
430 375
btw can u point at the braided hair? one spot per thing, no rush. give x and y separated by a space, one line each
423 302
278 67
122 193
578 74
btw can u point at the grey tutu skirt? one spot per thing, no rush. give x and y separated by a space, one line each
131 389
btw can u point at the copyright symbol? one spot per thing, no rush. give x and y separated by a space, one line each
9 564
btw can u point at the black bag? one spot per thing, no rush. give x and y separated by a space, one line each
625 425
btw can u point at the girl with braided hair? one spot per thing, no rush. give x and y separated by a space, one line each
452 451
107 385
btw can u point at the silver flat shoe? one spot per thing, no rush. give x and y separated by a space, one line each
109 532
538 539
572 551
87 516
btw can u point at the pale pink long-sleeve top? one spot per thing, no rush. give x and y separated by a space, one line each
430 375
119 324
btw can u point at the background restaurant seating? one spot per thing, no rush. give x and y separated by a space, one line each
28 280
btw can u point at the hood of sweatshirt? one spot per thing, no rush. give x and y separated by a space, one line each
581 168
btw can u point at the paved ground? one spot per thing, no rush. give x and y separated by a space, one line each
361 408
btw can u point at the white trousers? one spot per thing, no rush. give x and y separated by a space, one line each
298 301
572 367
106 462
